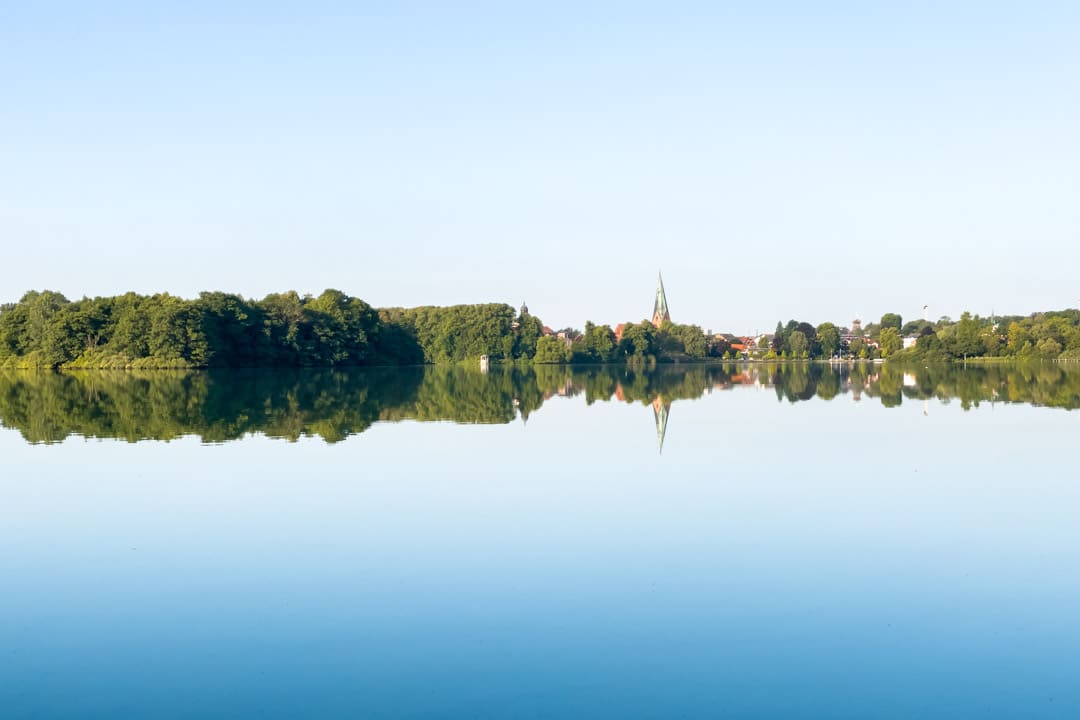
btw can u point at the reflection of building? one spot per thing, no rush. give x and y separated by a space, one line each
660 309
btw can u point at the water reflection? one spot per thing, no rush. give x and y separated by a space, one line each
334 404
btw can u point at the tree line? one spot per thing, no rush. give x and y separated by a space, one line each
1042 336
162 331
219 405
45 329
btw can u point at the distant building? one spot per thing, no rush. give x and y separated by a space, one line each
660 311
515 323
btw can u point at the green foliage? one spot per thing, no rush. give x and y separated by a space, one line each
779 339
529 331
460 332
638 341
45 329
550 349
800 340
691 338
891 320
828 339
598 345
332 403
890 340
676 342
798 344
1042 336
915 328
225 330
965 341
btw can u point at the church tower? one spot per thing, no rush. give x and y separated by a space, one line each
660 309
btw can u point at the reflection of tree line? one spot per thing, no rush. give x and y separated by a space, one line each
333 404
1045 384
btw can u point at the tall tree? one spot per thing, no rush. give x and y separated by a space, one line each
892 320
829 337
890 341
798 344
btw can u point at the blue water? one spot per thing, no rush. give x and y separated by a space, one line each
833 559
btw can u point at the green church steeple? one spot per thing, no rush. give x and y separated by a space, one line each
660 311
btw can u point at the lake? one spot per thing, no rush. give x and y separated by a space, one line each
689 541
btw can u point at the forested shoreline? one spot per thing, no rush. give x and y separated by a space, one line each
223 330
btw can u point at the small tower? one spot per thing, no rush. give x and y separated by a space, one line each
660 311
515 324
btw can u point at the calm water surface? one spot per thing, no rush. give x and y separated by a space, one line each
865 543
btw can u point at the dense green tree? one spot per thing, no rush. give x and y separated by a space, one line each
808 331
798 344
828 338
914 328
131 327
599 343
890 341
966 338
779 338
638 340
550 349
530 330
891 320
1048 348
719 347
674 340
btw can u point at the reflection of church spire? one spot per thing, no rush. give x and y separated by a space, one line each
660 411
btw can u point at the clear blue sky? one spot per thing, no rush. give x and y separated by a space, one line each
781 159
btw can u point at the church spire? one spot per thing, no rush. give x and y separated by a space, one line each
660 311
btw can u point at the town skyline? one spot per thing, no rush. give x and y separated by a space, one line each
925 311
